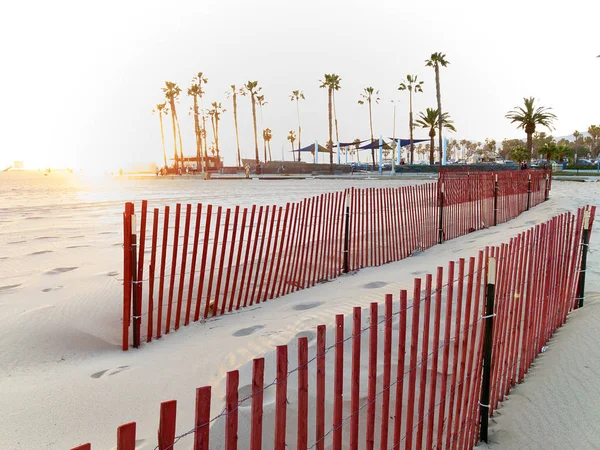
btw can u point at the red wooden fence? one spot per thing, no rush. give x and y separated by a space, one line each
422 357
204 261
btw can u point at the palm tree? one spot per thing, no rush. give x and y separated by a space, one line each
436 60
336 87
215 116
199 79
369 95
331 83
297 96
267 136
430 119
411 84
292 137
529 117
233 93
195 91
172 92
260 100
161 109
251 88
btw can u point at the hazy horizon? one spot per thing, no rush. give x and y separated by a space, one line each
83 80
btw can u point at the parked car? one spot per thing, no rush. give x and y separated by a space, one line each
584 162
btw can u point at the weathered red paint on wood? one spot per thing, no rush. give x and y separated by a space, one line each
202 419
338 382
231 405
167 424
126 437
256 419
302 424
281 397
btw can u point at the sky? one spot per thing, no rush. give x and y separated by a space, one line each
80 79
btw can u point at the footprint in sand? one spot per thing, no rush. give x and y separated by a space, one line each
40 252
109 372
247 331
58 270
17 242
44 237
77 246
305 306
3 258
114 273
8 288
108 232
375 285
50 289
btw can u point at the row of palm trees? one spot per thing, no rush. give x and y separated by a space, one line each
432 119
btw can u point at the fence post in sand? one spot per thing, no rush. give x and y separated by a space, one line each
441 222
528 191
127 285
347 230
585 239
137 320
484 403
496 199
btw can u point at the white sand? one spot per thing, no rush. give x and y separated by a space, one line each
65 381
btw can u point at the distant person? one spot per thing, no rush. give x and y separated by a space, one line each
402 162
120 172
247 168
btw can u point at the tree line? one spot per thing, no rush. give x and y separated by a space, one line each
528 117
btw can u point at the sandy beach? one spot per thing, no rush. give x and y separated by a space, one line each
65 380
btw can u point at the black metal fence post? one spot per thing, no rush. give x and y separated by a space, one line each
484 403
135 306
496 199
585 239
529 192
547 190
347 232
441 222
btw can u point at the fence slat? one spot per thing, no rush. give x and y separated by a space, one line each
186 238
167 423
126 436
173 267
202 274
163 263
208 305
387 369
372 378
258 382
231 403
355 377
400 369
320 404
202 420
302 440
281 397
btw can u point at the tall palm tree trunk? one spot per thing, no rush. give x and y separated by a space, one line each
237 137
181 161
299 128
371 126
217 139
439 103
205 141
257 157
269 145
337 134
410 125
330 143
176 165
431 145
162 136
198 136
529 147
